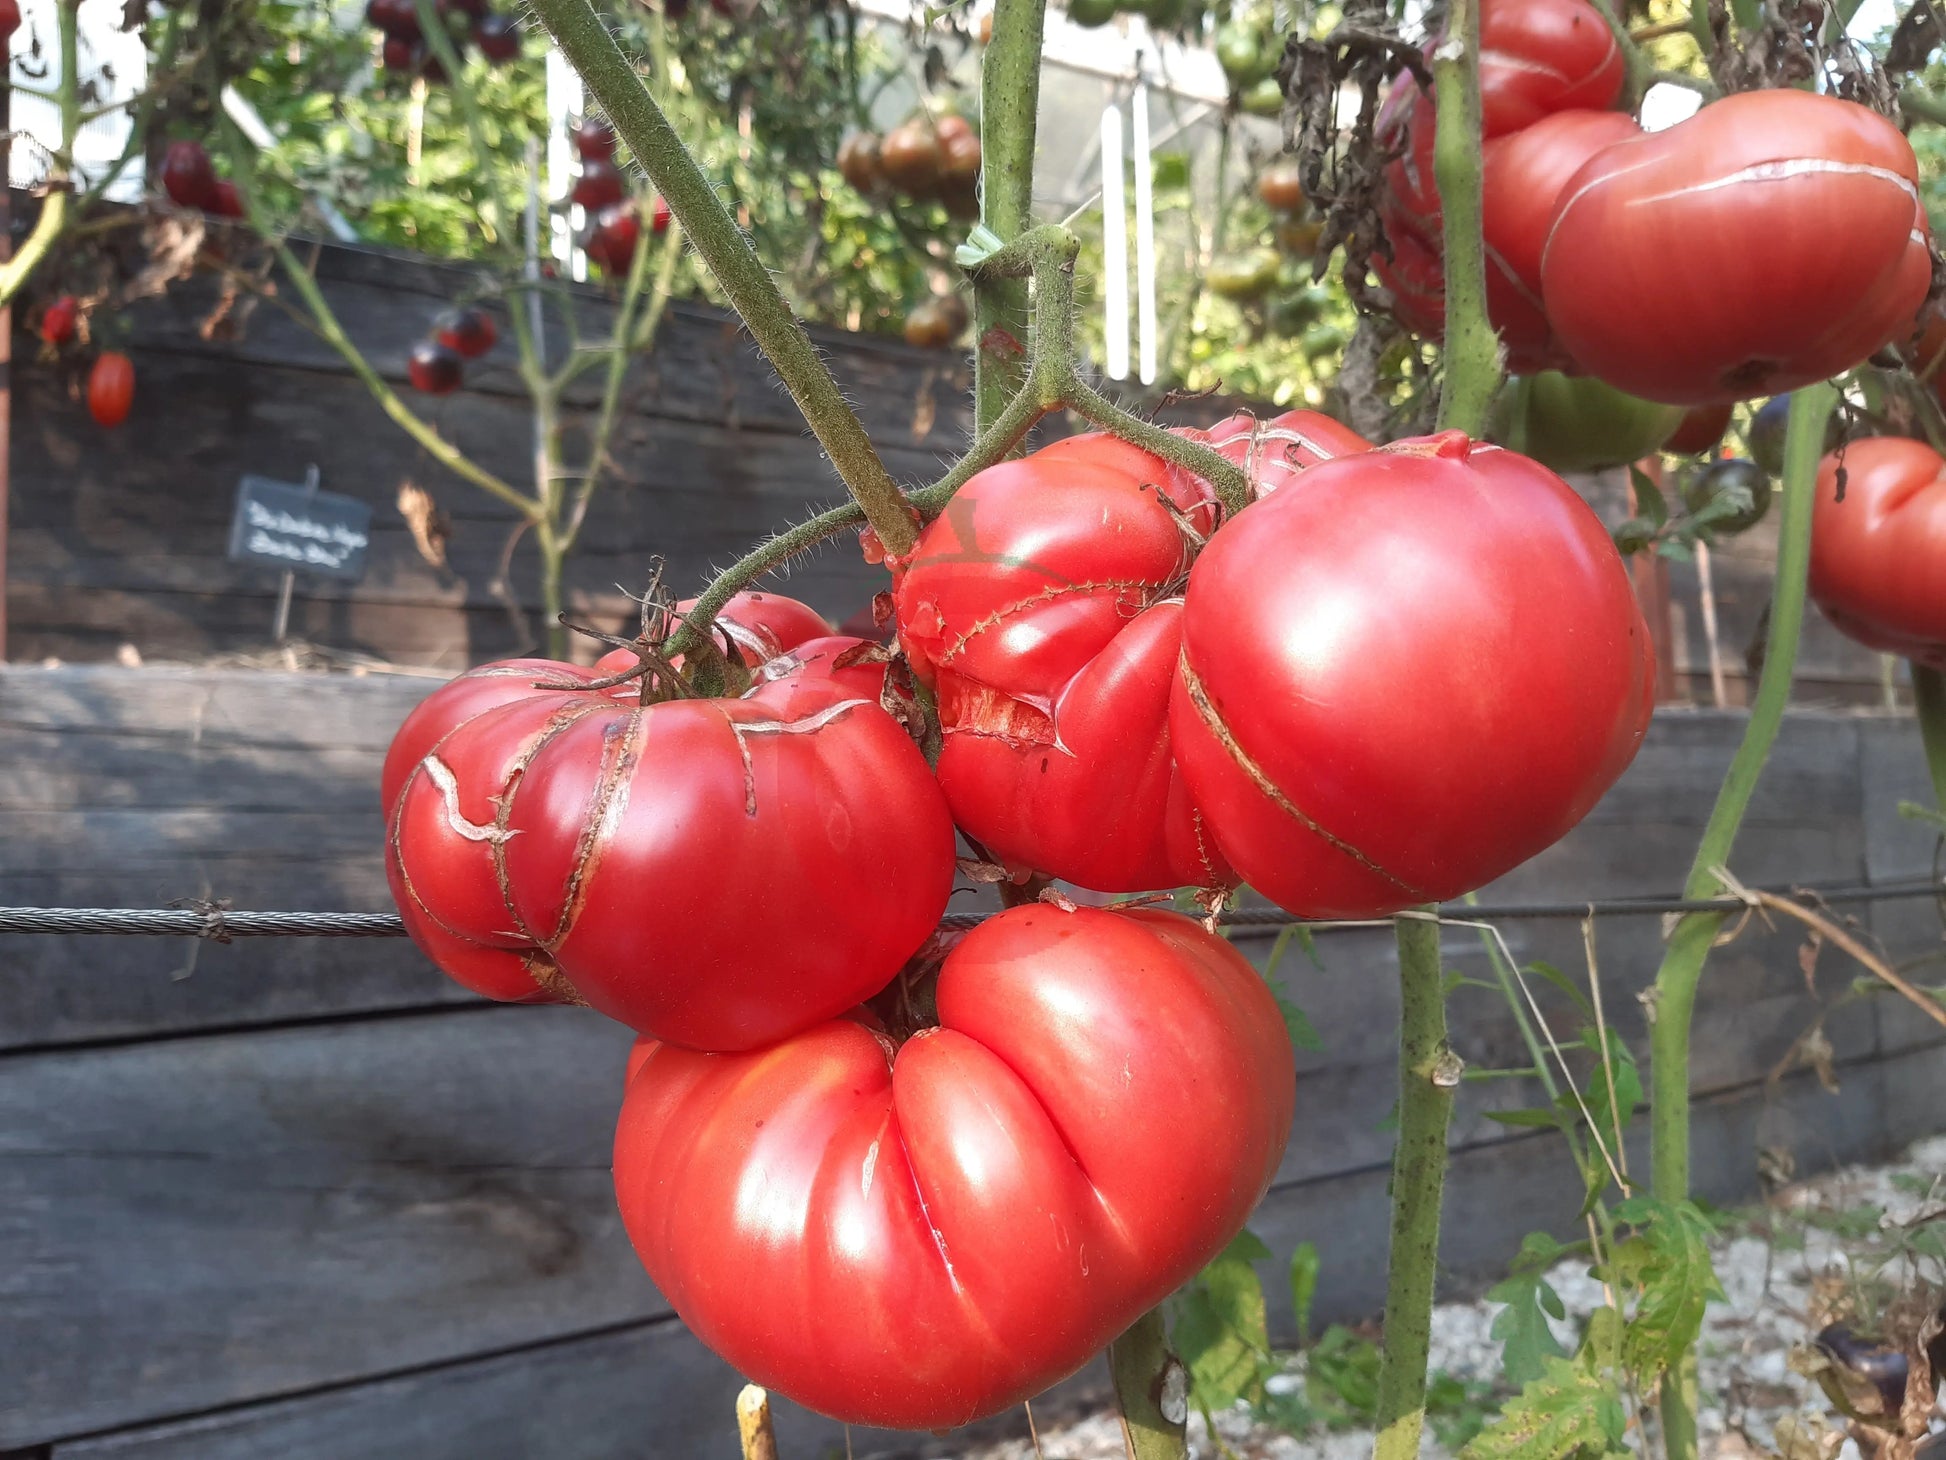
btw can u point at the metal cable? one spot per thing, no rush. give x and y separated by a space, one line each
218 924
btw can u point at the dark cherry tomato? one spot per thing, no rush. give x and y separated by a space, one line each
959 153
911 158
935 324
111 389
1700 430
1742 482
433 69
468 333
616 234
225 201
859 163
1883 1367
433 369
57 324
1246 275
600 186
400 54
397 18
187 176
1281 186
593 139
498 37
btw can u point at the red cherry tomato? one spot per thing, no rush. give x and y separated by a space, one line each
660 216
760 625
1763 303
1406 676
918 1234
600 186
111 389
225 201
468 333
614 237
57 324
1878 558
498 37
593 139
717 873
400 54
433 369
398 19
187 176
9 19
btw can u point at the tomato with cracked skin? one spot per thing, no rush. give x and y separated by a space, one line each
1538 57
1406 677
1878 558
1044 607
1767 197
574 846
919 1234
759 625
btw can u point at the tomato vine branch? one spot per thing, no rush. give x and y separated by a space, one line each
1429 1074
1010 90
1153 1388
1473 358
60 184
592 51
1673 997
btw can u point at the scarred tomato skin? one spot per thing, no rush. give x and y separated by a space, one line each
1406 676
760 625
601 846
1878 558
1804 250
919 1235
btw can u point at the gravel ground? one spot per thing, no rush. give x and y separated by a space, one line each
1780 1272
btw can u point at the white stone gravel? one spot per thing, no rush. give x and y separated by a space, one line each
1771 1304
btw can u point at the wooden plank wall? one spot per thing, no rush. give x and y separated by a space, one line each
306 1199
118 537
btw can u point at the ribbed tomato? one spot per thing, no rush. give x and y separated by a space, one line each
1878 558
918 1234
1803 247
1406 677
1538 57
717 873
1042 606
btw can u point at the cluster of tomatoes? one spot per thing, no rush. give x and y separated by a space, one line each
404 51
1248 48
189 178
909 1176
1581 207
437 365
1275 281
922 159
614 231
111 379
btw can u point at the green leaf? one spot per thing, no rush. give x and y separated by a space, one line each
1304 1287
1171 170
1611 1122
1649 503
1913 811
1565 984
1665 1264
1526 1341
1220 1331
1297 1023
1568 1413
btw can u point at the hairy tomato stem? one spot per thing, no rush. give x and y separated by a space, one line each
1472 355
1010 91
1152 1388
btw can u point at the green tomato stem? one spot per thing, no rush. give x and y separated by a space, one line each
1472 355
1010 90
1153 1389
592 51
1428 1077
1929 693
53 219
1673 999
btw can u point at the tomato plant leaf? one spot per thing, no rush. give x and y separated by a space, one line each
1568 1413
1221 1333
1665 1264
1611 1120
1526 1340
1565 984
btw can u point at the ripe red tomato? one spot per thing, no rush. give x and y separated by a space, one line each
858 162
1281 186
111 389
1543 56
400 54
1763 302
468 333
910 158
1273 452
187 176
717 873
614 237
398 19
433 369
225 201
59 320
1701 429
1878 558
659 216
761 626
498 37
916 1234
1406 676
593 139
600 186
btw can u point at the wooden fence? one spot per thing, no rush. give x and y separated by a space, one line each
118 538
305 1198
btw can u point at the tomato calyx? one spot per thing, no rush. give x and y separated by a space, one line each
711 671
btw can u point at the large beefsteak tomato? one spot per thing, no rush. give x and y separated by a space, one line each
916 1235
718 873
1042 606
1406 677
1878 558
1802 243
